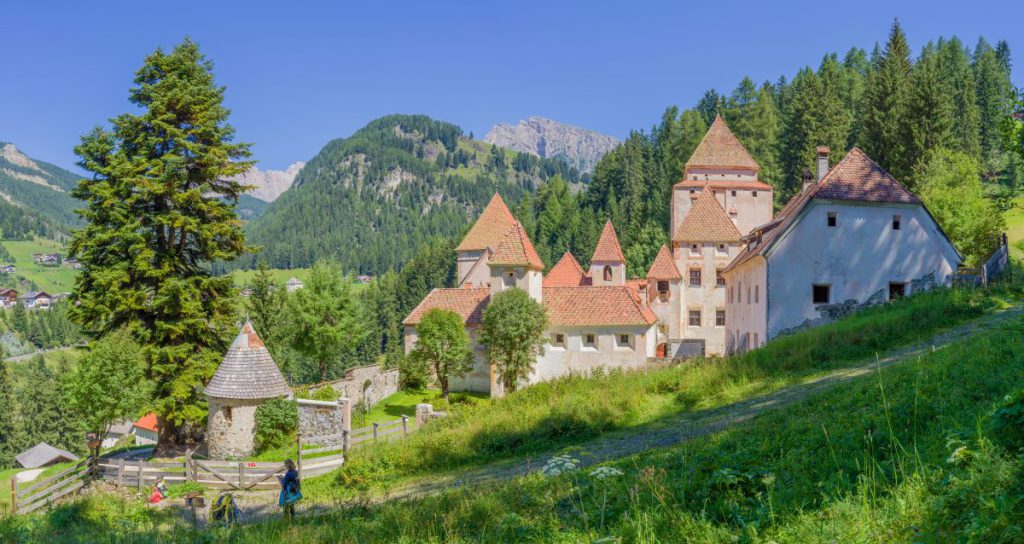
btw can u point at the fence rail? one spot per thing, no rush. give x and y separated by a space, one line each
39 494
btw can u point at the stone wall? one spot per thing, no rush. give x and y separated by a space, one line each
365 386
230 427
319 418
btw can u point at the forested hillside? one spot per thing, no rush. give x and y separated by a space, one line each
919 117
34 196
370 200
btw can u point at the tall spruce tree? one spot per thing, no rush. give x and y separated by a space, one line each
43 415
929 116
883 137
160 207
9 429
994 92
954 64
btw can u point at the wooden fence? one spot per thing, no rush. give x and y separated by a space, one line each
39 494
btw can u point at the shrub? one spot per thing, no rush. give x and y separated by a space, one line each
277 420
414 374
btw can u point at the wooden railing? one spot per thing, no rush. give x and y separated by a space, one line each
42 493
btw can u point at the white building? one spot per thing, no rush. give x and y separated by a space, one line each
854 237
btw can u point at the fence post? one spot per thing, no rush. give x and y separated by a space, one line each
188 465
120 473
140 476
344 440
405 424
241 474
375 432
14 495
298 454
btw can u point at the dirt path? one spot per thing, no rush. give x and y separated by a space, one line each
690 425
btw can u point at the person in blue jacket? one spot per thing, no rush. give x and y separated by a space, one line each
290 489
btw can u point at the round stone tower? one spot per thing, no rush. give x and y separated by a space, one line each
246 378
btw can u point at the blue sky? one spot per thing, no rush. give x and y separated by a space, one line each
301 73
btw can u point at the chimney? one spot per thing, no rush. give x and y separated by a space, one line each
822 161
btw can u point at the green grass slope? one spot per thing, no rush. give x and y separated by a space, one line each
52 279
926 451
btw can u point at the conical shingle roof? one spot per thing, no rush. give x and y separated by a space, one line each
490 227
608 248
720 148
247 371
664 266
706 222
517 250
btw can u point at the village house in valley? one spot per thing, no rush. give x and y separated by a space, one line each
855 236
733 278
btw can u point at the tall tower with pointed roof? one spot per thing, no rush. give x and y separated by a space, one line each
608 265
246 378
516 264
722 163
473 253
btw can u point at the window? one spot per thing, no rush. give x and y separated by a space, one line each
896 222
590 341
693 194
897 291
558 340
757 294
694 320
623 341
663 292
721 249
821 294
831 219
719 318
748 294
227 414
607 273
694 250
753 194
720 278
739 293
509 280
734 193
694 277
730 295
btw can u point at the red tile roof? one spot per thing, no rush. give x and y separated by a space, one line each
468 303
147 422
721 149
664 266
517 250
723 185
594 306
706 222
490 227
608 248
567 273
855 178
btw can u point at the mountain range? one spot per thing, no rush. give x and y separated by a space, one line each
371 199
269 184
34 196
578 147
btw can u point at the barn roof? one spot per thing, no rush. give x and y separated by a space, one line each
247 371
42 454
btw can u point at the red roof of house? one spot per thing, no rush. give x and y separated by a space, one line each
595 306
721 149
147 422
664 266
855 178
468 303
517 250
490 227
706 222
608 248
567 273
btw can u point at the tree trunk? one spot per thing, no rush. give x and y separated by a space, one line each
444 387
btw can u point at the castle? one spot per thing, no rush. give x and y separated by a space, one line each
734 277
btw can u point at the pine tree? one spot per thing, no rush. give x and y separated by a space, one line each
883 136
929 118
709 105
994 92
41 407
954 64
160 207
10 437
751 114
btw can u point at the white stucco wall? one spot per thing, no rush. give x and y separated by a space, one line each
746 317
666 312
597 273
751 210
528 280
467 271
574 357
858 257
709 297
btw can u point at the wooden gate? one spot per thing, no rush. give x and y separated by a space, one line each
40 494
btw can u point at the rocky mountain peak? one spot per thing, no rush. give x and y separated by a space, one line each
550 139
270 183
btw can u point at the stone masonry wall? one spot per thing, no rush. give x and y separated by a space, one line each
364 385
319 418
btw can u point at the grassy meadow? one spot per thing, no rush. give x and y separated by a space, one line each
52 279
1015 228
921 452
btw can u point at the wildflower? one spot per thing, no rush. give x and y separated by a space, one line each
602 473
559 464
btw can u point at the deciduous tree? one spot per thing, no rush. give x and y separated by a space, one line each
442 344
327 319
513 332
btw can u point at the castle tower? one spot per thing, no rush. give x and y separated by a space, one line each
664 293
472 254
722 162
246 378
608 265
515 263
